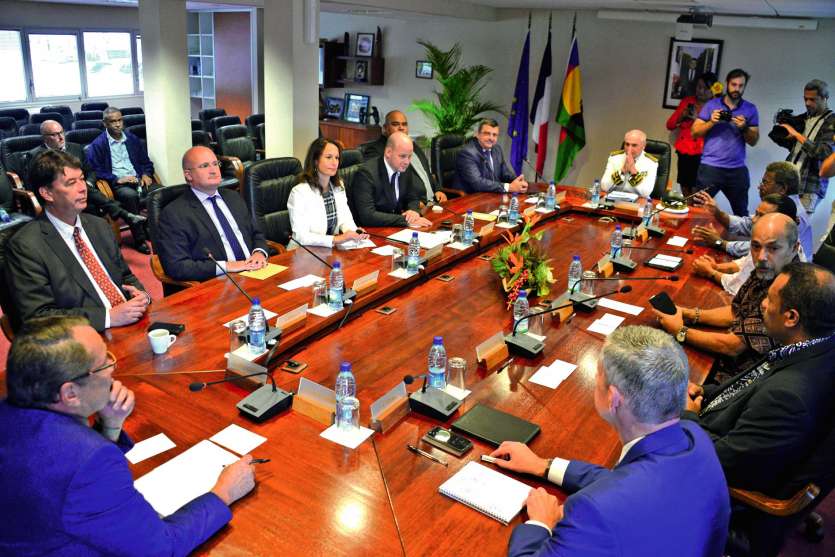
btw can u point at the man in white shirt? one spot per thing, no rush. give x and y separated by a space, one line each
631 169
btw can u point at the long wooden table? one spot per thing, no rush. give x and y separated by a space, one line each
318 498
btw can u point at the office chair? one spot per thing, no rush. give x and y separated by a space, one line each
64 110
133 120
663 152
41 117
21 115
83 136
89 115
207 114
252 122
157 200
131 110
94 105
8 127
350 157
88 125
14 153
444 150
267 186
220 121
236 149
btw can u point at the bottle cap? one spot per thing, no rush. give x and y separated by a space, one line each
617 227
438 340
522 294
414 234
345 366
337 265
256 301
576 258
469 211
516 194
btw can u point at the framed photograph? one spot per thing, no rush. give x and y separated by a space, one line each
686 62
365 44
361 71
333 107
423 69
356 107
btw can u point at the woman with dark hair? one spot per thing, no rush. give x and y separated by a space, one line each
319 213
688 148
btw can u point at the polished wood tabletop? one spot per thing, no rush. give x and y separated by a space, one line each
319 498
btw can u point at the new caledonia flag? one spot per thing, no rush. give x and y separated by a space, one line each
570 116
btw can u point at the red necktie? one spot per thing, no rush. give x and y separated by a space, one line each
99 275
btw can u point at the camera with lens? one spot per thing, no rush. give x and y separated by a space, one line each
779 134
725 115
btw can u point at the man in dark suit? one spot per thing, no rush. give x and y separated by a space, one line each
67 488
480 165
665 496
396 121
205 218
52 133
67 262
384 193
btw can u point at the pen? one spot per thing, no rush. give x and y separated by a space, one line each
427 455
259 460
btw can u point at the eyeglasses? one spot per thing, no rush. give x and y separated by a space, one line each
111 363
205 165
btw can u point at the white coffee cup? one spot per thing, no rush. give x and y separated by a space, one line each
161 340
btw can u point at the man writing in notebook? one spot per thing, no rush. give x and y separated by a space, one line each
666 495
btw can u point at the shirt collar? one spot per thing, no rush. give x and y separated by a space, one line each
625 450
784 352
64 229
111 140
389 169
203 196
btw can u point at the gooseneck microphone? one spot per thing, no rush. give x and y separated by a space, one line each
308 250
671 250
431 401
672 278
621 290
208 253
409 379
199 386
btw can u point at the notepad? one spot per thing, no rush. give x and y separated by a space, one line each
487 491
265 272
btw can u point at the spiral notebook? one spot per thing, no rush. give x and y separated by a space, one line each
485 490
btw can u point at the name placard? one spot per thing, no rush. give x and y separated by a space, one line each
387 410
365 283
293 319
315 401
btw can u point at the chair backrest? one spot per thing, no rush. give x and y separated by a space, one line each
21 115
350 157
199 137
14 153
101 105
252 122
64 111
207 114
41 117
130 110
444 151
266 191
157 200
30 129
6 295
220 121
663 152
139 131
233 141
8 127
89 115
133 120
347 174
88 124
260 131
83 136
197 125
6 195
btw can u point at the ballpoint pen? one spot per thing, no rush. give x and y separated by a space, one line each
427 455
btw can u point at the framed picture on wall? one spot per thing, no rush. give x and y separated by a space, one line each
361 71
424 70
356 107
365 44
686 62
333 107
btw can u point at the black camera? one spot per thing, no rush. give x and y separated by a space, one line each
779 134
725 115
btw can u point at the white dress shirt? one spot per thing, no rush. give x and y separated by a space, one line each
119 157
389 172
210 210
614 173
308 217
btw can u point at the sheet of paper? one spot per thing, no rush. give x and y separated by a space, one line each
677 241
666 263
265 272
185 477
323 310
351 439
247 354
457 246
606 324
456 392
428 240
300 282
620 306
504 225
149 447
356 245
237 439
544 211
665 257
532 199
385 250
484 216
551 376
622 196
611 319
402 273
267 315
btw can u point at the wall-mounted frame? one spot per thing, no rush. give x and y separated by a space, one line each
361 70
424 69
686 62
365 44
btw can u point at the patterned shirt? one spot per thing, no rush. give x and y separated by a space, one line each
330 210
748 321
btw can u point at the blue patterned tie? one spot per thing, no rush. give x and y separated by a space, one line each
227 231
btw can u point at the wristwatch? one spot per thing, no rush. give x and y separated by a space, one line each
681 335
718 244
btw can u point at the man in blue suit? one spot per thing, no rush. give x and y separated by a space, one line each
66 486
665 496
480 165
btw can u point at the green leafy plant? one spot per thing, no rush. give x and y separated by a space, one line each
522 264
458 106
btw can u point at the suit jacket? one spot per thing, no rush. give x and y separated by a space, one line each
98 156
769 429
374 199
473 169
666 497
185 231
309 218
376 148
48 279
72 493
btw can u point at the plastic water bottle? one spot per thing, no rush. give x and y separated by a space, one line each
513 212
437 364
551 197
413 255
469 224
575 273
257 328
616 242
346 385
346 401
4 216
520 311
335 289
646 217
595 193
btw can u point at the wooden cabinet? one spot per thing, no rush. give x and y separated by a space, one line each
351 135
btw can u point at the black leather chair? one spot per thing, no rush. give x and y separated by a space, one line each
220 121
157 200
14 153
41 117
347 175
30 129
825 256
10 321
89 115
444 150
88 125
260 131
350 157
236 151
206 116
663 152
267 186
139 131
83 136
200 138
100 105
130 110
8 127
197 125
65 112
133 120
252 122
21 115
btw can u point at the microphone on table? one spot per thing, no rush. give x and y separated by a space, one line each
529 347
657 230
584 302
537 175
348 294
198 386
261 404
431 401
433 203
671 250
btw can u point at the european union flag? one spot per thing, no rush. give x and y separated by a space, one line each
517 123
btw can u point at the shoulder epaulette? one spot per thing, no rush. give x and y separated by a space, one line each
618 152
653 158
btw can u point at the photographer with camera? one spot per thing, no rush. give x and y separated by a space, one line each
727 124
809 139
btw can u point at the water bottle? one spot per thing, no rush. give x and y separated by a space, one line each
575 273
595 193
647 213
346 402
520 311
513 212
413 255
257 327
551 197
4 216
469 224
437 364
616 242
335 289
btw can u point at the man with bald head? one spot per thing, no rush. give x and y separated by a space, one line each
384 193
396 121
631 169
206 218
745 339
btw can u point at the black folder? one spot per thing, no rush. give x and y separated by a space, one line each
495 426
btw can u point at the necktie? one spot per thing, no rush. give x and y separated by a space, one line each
489 154
99 275
227 231
394 185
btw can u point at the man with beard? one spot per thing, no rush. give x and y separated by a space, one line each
727 124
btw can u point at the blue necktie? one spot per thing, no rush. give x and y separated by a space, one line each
227 231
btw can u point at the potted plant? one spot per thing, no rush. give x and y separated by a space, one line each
522 264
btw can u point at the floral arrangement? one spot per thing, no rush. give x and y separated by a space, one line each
522 264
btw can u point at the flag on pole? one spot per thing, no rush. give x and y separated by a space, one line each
517 124
570 116
542 105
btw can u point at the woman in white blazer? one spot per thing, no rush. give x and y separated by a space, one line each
318 205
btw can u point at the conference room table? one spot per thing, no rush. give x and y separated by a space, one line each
316 497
